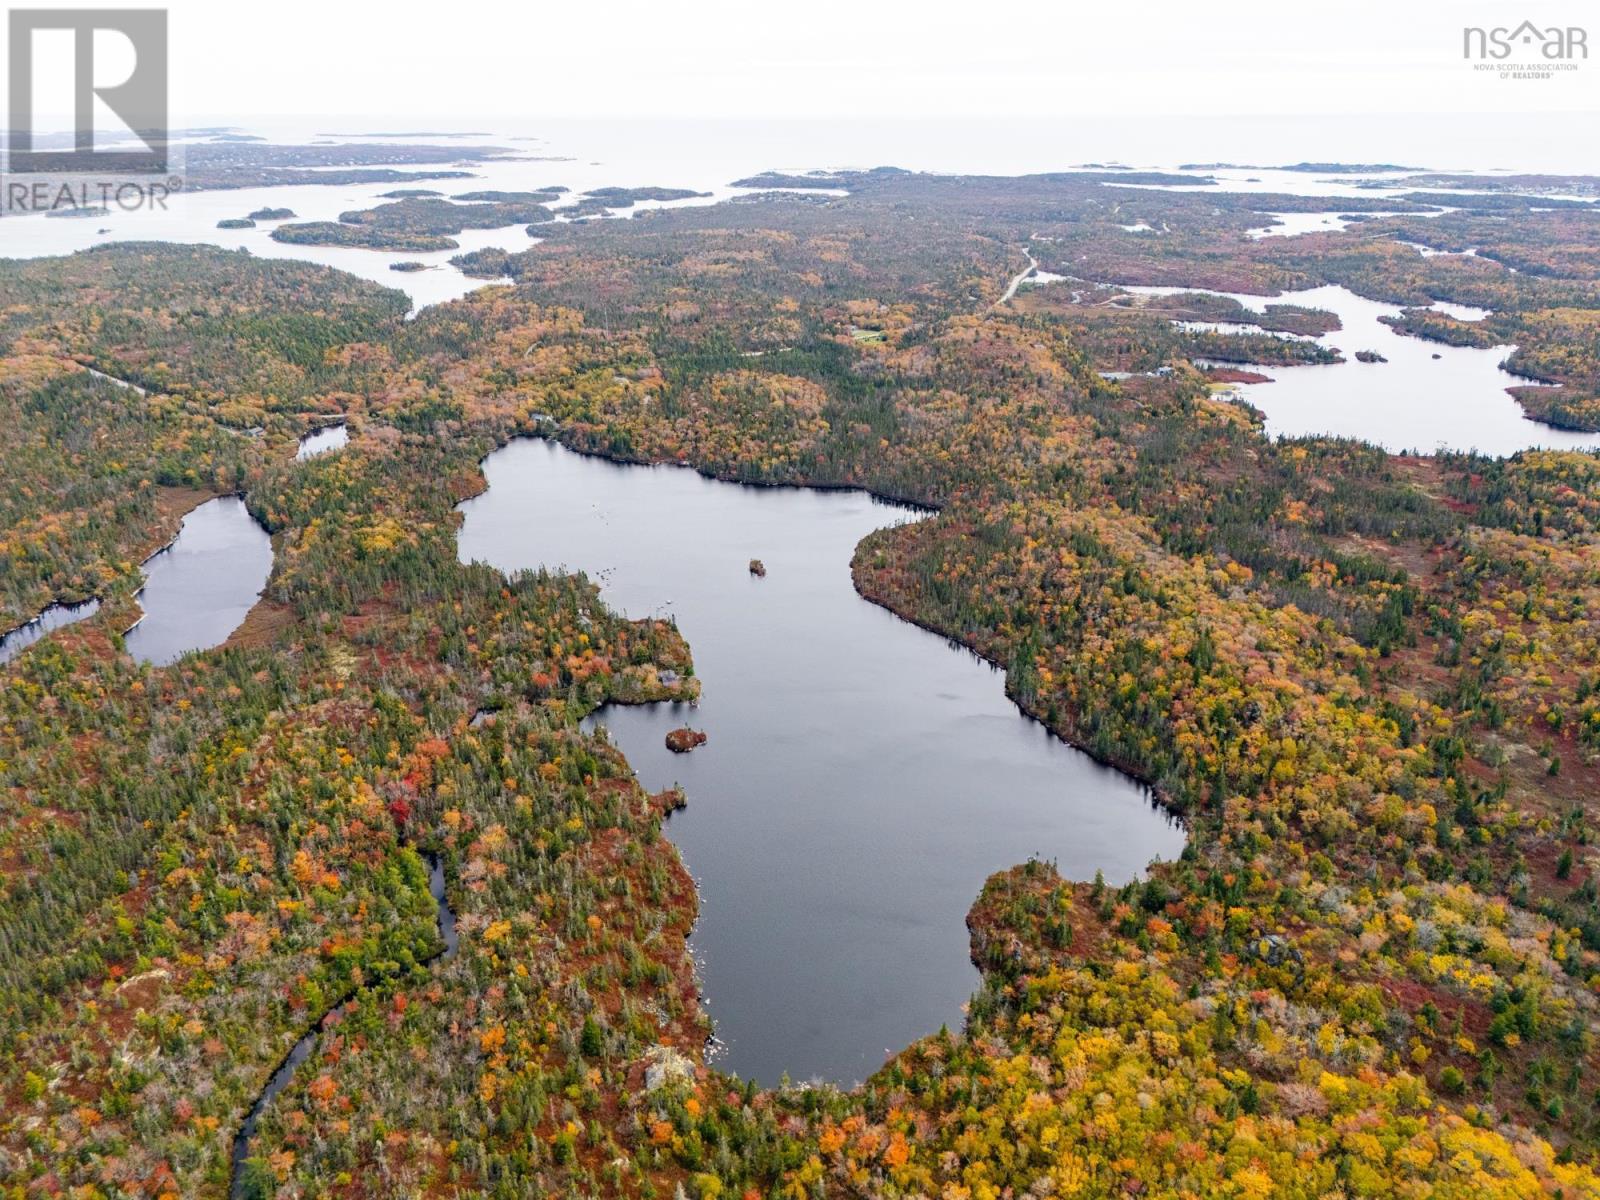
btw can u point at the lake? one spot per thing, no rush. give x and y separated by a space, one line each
198 589
862 779
1427 395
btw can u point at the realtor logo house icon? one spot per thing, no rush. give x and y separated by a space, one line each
138 101
1554 43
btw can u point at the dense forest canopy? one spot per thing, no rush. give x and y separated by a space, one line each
1370 682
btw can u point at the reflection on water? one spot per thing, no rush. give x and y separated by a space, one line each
198 590
862 776
321 441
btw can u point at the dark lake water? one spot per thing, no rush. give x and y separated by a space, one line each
862 778
19 639
198 590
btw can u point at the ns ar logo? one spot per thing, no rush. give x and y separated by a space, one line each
1555 43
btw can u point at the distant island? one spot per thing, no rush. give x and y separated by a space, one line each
418 223
1318 168
419 134
335 233
777 179
545 196
606 199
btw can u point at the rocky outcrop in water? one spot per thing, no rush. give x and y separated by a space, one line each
681 741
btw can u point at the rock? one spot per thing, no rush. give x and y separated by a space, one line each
666 1066
681 741
1370 356
758 568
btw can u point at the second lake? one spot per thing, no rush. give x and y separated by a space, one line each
199 589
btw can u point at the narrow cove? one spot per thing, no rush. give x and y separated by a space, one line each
197 588
862 778
15 641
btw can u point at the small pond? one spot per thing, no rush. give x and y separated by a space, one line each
323 441
198 589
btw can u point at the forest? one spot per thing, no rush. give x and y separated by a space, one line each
1369 682
416 222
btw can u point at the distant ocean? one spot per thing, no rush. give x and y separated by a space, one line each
1522 142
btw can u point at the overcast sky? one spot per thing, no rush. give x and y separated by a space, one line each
833 58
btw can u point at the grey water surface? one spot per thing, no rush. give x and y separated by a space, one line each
15 641
198 590
862 779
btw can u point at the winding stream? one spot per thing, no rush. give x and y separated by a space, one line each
862 779
301 1050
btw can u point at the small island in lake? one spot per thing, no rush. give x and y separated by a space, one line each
681 741
334 233
236 223
273 214
1235 375
758 568
408 266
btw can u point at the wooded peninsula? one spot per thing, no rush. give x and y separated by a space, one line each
1369 682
